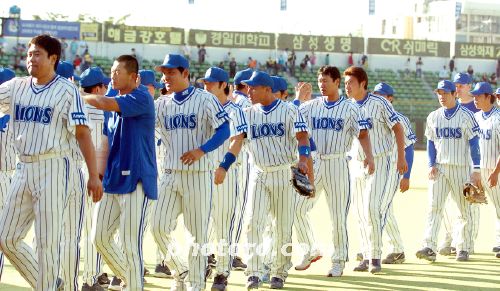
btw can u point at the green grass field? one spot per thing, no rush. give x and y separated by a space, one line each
482 272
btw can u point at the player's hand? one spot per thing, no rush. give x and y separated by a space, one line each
476 179
433 173
220 175
303 91
94 188
188 158
493 179
404 185
369 164
302 165
402 165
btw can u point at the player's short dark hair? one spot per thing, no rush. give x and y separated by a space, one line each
89 88
163 91
493 98
131 64
358 73
331 71
240 87
49 44
226 89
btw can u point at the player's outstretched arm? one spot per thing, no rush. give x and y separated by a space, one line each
102 102
364 140
305 160
94 184
399 133
475 155
230 157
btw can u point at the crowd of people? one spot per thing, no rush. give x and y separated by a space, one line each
221 156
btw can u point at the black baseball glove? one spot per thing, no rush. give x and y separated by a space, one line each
301 183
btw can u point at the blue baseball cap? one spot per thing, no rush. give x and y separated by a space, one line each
497 91
173 61
462 78
482 88
66 70
447 86
242 75
148 78
280 84
384 89
93 76
6 74
215 74
259 78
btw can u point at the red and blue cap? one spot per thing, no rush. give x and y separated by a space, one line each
242 75
6 74
482 88
447 86
93 76
215 74
148 78
383 89
462 78
259 78
173 61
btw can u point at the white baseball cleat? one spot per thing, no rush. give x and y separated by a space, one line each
307 261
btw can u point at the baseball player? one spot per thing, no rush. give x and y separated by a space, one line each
334 122
226 191
240 98
49 123
488 119
497 93
275 130
370 189
94 82
130 177
462 82
396 256
7 154
452 134
303 93
193 123
280 88
65 69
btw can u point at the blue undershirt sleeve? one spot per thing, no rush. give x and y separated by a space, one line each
475 153
431 152
221 134
409 151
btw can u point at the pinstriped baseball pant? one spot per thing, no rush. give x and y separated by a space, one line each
189 193
5 179
273 193
125 213
451 222
449 181
494 195
332 178
39 193
371 205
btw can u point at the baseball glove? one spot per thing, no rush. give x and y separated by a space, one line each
301 183
474 194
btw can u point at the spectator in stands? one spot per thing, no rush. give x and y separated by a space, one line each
3 46
73 48
305 63
443 74
285 57
270 65
77 62
452 65
252 64
202 53
364 62
312 60
484 78
64 47
497 72
350 60
281 63
87 60
470 71
407 68
327 60
221 65
186 51
22 63
227 57
134 53
83 45
418 71
232 68
292 59
493 79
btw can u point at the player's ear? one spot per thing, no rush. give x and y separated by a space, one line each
185 73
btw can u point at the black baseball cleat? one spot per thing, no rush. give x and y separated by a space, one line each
362 267
220 283
426 254
253 282
103 280
394 258
238 264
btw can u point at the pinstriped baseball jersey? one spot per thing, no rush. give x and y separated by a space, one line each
332 126
42 115
186 125
380 117
489 137
96 120
238 126
451 135
241 99
271 134
7 150
410 137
